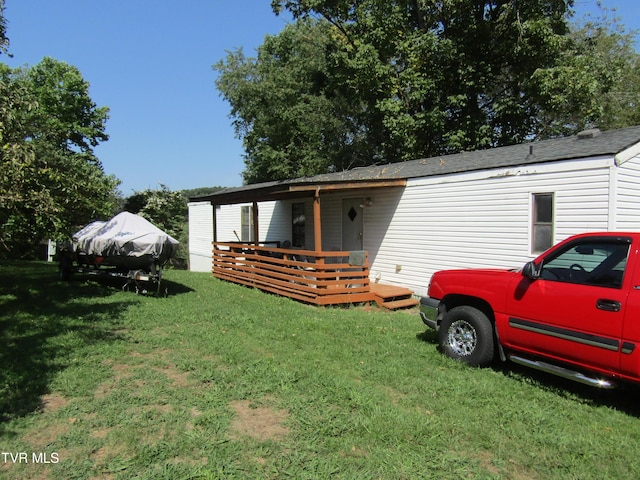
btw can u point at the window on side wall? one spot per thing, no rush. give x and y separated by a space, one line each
246 214
542 222
298 222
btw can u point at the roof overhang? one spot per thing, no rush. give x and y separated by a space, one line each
291 190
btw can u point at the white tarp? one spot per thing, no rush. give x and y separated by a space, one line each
125 235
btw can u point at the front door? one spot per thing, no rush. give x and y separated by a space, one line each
352 224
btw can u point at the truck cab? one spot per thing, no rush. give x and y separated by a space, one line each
574 311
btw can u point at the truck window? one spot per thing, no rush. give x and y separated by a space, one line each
591 262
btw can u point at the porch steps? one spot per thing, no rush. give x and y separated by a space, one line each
392 297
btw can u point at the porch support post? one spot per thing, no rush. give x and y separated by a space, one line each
317 228
256 227
215 237
215 226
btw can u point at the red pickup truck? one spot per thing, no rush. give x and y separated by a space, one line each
574 311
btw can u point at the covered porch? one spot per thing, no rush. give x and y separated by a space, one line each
312 275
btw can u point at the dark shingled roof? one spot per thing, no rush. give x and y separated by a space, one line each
588 144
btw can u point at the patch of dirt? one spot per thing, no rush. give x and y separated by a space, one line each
48 434
101 433
258 422
105 454
486 460
53 402
40 438
99 455
178 379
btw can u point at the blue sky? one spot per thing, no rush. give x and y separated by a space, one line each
150 62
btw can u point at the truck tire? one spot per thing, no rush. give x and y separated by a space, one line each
466 334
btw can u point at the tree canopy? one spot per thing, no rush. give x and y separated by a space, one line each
50 180
168 211
4 40
352 83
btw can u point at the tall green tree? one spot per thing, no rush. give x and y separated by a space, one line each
392 80
596 81
4 40
163 207
292 120
50 180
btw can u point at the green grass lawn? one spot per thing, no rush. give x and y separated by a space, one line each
222 381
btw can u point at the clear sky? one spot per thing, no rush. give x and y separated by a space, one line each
150 62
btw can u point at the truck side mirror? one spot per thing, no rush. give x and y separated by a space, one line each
531 271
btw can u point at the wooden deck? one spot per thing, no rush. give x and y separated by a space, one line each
319 278
393 297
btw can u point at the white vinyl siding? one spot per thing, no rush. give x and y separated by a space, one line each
483 219
272 223
200 236
627 203
228 219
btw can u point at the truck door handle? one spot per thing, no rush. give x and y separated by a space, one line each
608 305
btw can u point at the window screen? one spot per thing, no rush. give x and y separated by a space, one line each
542 228
247 224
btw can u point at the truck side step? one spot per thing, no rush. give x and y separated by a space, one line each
563 372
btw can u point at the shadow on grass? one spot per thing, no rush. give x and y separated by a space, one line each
428 336
623 398
164 289
43 323
175 288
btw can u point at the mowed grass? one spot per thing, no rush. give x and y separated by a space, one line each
219 381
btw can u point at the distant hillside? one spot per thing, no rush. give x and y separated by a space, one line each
200 192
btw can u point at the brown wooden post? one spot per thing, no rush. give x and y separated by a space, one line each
317 228
215 236
215 226
256 229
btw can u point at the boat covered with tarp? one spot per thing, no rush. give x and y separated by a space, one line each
126 241
127 246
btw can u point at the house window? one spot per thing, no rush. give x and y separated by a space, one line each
542 225
246 221
298 221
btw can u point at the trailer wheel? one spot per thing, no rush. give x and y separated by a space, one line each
466 334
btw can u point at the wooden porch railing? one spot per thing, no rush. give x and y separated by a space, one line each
318 277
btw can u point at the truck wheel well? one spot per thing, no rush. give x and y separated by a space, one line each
452 301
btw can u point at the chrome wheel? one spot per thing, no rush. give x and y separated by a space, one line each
466 334
462 338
